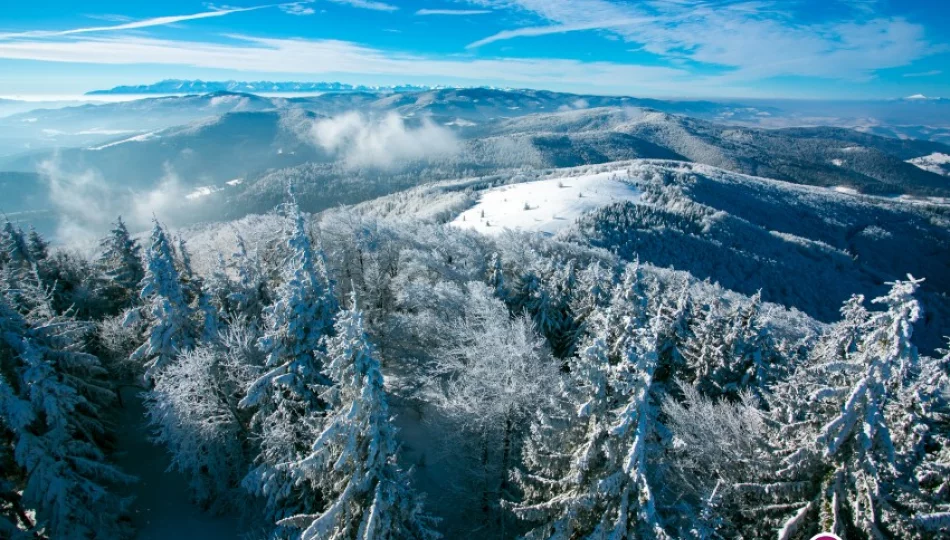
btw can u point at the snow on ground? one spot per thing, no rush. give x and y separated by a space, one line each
203 191
137 138
936 163
545 206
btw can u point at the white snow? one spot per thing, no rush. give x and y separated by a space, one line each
137 138
461 122
545 206
936 163
235 182
837 162
203 191
846 190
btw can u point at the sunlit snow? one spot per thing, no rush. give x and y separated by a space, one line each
936 163
546 205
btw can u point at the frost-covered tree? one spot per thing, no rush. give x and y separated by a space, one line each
846 427
353 460
728 349
285 397
589 296
14 252
193 406
56 478
249 293
172 330
594 481
544 293
37 245
496 276
120 260
491 375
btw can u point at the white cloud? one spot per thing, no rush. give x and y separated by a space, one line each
453 12
367 4
298 8
86 204
754 39
361 141
134 25
322 57
534 31
931 73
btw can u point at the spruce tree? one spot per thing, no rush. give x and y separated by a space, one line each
353 460
120 261
285 397
172 330
852 448
52 426
37 245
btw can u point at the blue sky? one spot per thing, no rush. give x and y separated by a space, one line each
847 49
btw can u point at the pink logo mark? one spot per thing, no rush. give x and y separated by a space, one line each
826 536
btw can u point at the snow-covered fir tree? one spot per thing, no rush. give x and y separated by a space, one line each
14 250
353 460
56 481
850 441
285 397
120 260
172 329
593 480
37 245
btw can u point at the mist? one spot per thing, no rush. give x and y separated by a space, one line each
363 141
86 205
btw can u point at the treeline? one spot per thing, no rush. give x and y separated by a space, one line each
377 378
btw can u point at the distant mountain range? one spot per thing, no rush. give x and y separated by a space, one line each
176 86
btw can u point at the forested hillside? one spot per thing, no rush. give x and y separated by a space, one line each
374 371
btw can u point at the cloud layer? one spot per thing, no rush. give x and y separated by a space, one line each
325 57
754 39
362 141
86 204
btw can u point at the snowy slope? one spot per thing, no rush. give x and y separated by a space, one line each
936 163
547 205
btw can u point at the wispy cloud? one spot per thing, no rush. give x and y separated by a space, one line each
367 4
322 57
453 12
753 39
931 73
298 8
134 25
534 31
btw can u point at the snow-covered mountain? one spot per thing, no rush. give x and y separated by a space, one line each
177 86
807 247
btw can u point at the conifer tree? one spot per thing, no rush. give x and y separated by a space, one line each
496 276
14 251
52 428
121 263
172 330
593 481
37 245
852 445
353 459
285 397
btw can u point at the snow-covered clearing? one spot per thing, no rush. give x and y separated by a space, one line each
936 163
545 206
137 138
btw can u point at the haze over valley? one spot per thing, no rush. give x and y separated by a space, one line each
353 269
